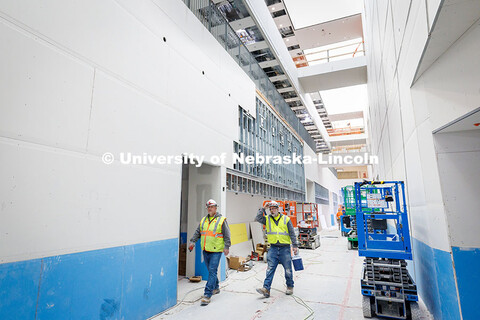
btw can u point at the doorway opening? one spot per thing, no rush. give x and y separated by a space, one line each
183 239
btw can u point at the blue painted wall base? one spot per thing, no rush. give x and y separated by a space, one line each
435 281
467 267
130 282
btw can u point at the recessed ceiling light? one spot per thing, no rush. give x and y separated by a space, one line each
287 39
273 8
281 25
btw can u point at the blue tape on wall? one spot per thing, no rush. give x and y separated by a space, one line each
467 266
130 282
435 280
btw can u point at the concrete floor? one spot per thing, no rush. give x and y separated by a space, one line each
329 287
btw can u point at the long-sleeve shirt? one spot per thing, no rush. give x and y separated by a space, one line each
262 218
225 232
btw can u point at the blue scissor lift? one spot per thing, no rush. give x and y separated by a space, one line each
384 240
345 224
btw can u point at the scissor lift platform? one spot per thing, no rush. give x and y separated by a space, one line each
388 289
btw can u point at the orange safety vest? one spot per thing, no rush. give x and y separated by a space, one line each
211 234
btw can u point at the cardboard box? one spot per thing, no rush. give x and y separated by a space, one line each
261 248
182 259
195 279
235 262
244 267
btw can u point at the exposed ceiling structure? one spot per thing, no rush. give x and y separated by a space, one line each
307 24
336 27
238 16
317 101
288 33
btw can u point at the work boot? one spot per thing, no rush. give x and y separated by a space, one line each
265 292
289 291
205 300
216 291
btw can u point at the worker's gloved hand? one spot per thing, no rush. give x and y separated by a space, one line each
295 250
191 246
226 251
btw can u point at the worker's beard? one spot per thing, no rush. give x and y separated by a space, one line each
275 214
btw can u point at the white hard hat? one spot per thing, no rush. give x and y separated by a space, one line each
274 204
210 203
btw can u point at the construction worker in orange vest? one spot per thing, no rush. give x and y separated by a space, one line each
214 233
340 212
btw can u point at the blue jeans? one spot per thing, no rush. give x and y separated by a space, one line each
212 260
276 255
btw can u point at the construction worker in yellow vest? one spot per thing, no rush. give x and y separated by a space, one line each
214 234
280 235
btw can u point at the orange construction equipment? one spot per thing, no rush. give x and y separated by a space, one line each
307 215
288 208
304 216
299 211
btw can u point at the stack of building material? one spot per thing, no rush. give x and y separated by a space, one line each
182 259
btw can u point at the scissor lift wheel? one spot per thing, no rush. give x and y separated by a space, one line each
414 312
367 307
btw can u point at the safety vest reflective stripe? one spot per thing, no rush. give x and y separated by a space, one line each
215 228
209 236
270 226
280 230
211 233
216 224
204 233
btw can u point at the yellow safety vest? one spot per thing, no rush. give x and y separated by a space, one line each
278 233
211 234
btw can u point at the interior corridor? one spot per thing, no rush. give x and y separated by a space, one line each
328 288
125 125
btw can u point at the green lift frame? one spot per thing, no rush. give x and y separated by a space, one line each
349 217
